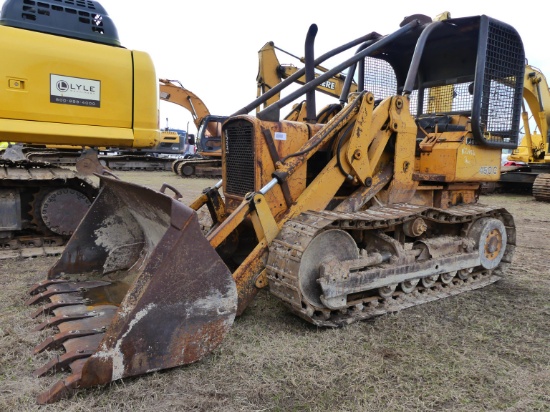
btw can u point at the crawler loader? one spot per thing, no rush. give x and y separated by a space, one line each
374 211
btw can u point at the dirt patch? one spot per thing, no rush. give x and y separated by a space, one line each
482 350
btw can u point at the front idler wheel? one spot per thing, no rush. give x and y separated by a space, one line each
489 235
334 244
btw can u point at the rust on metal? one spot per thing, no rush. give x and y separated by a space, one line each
428 177
149 301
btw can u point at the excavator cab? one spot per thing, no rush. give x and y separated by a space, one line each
206 159
371 212
209 136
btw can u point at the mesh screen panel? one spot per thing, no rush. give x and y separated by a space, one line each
499 83
502 81
380 78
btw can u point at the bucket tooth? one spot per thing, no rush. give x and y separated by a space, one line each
56 341
42 285
58 301
64 387
64 287
77 348
60 363
94 322
78 312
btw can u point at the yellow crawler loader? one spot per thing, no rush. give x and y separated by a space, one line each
374 211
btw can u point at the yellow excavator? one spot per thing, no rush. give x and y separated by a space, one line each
271 72
528 166
207 159
51 97
69 102
172 144
372 212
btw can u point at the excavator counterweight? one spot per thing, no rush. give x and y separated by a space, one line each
52 97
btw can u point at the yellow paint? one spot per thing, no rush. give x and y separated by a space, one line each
122 109
288 137
459 161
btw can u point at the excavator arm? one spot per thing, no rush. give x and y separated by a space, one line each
534 147
271 72
528 166
172 91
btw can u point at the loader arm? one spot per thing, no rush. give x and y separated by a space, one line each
370 128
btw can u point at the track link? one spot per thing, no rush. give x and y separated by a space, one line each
136 162
286 252
541 187
33 183
189 168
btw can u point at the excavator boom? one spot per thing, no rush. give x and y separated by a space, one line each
271 72
528 166
173 92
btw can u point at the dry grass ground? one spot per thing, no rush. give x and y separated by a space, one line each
487 350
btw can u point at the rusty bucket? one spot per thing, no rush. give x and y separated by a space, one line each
137 289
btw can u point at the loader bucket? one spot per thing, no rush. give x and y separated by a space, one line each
137 289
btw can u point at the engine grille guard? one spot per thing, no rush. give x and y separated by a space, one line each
137 289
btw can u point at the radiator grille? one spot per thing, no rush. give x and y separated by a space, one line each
239 157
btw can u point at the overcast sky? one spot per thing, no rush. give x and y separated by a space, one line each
211 47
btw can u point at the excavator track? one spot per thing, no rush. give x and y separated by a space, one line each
197 167
287 253
541 187
34 200
136 162
123 162
53 157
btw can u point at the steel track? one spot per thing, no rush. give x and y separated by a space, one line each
287 249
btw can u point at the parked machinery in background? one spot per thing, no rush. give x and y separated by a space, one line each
527 168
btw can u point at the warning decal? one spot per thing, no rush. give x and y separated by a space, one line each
75 91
